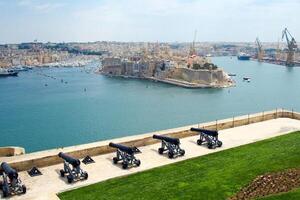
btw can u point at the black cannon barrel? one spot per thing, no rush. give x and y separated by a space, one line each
167 139
205 131
11 173
73 161
124 148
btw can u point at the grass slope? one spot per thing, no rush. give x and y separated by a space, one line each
214 176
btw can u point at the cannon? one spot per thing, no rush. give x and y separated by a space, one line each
11 183
208 137
126 154
72 168
169 144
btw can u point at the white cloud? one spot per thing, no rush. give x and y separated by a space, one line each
41 6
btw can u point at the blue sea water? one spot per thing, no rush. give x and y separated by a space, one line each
38 112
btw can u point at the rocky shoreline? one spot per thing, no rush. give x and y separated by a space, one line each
186 84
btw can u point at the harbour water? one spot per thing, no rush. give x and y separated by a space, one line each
56 107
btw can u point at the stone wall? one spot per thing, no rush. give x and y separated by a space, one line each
199 76
11 151
115 70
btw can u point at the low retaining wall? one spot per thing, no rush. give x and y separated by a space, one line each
11 151
49 157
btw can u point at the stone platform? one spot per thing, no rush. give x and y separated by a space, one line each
50 183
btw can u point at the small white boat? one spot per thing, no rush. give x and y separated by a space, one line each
7 72
19 68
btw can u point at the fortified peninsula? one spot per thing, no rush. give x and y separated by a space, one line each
165 65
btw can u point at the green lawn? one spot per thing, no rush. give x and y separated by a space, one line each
292 195
214 176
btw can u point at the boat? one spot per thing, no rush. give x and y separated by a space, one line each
7 72
246 78
28 67
231 74
19 69
243 56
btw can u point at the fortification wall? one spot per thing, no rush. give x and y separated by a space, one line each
199 76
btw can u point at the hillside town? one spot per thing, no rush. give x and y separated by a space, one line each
43 55
38 53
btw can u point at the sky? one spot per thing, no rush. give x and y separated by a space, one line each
147 20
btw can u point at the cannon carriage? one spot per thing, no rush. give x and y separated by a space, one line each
169 144
126 155
208 137
72 168
11 183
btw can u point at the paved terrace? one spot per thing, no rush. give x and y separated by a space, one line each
50 183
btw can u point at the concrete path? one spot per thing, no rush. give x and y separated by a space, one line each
50 183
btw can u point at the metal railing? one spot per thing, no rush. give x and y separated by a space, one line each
264 115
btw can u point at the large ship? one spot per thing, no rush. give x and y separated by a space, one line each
7 72
243 56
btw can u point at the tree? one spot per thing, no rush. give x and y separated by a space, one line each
196 66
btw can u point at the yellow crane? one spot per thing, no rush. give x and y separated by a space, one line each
260 51
277 56
193 49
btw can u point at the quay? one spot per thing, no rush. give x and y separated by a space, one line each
186 84
233 132
276 62
179 83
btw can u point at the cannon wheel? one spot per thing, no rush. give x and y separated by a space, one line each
24 189
199 142
161 150
182 152
85 175
70 179
5 190
219 143
124 165
115 160
171 154
138 162
62 173
211 146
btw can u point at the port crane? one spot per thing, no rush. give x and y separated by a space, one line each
292 47
277 55
193 49
260 52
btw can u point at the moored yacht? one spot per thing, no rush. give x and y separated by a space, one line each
243 56
20 69
7 72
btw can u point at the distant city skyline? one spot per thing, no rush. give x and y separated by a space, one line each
147 20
